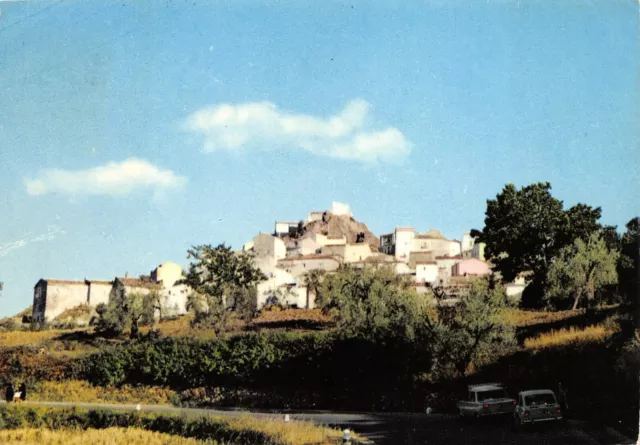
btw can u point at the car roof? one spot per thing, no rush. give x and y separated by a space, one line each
536 391
480 388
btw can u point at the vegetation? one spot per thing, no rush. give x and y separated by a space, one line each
476 330
572 335
81 391
579 271
629 263
374 303
243 430
221 280
108 436
525 229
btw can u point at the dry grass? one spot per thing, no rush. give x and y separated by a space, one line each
23 338
109 436
81 391
289 433
82 310
575 336
314 315
266 320
520 318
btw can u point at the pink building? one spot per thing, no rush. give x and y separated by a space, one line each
470 266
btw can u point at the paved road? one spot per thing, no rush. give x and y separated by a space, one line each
408 429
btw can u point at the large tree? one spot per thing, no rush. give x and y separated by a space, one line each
525 229
217 274
580 270
475 329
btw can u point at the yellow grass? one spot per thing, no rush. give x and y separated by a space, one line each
521 318
109 436
289 433
81 391
21 338
561 337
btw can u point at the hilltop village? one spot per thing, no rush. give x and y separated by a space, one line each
324 241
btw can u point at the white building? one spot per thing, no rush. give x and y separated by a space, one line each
348 252
404 241
301 265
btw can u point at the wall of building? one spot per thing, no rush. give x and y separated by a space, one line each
470 267
282 227
299 266
266 245
387 244
426 272
404 243
324 240
478 251
167 273
303 247
62 296
99 292
467 241
445 265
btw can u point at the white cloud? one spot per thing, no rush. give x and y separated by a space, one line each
346 135
52 233
112 179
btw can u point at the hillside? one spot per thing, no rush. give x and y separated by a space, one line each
341 225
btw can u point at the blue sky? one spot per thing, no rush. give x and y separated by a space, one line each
132 130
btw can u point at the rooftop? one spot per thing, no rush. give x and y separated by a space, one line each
310 257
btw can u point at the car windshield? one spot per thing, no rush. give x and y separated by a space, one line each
493 394
539 399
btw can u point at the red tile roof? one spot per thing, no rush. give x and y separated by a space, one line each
426 262
137 282
445 257
54 281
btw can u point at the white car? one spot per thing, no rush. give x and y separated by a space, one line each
486 400
536 406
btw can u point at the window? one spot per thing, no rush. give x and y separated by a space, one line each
472 397
493 394
540 399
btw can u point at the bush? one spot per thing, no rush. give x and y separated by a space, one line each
296 366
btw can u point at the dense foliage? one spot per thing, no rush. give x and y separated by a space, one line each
579 271
221 280
525 229
374 303
474 331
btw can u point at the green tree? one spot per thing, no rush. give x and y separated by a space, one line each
525 229
313 282
629 263
127 311
373 303
215 274
475 330
113 316
580 270
244 301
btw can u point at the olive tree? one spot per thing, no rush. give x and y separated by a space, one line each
580 270
217 275
475 329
